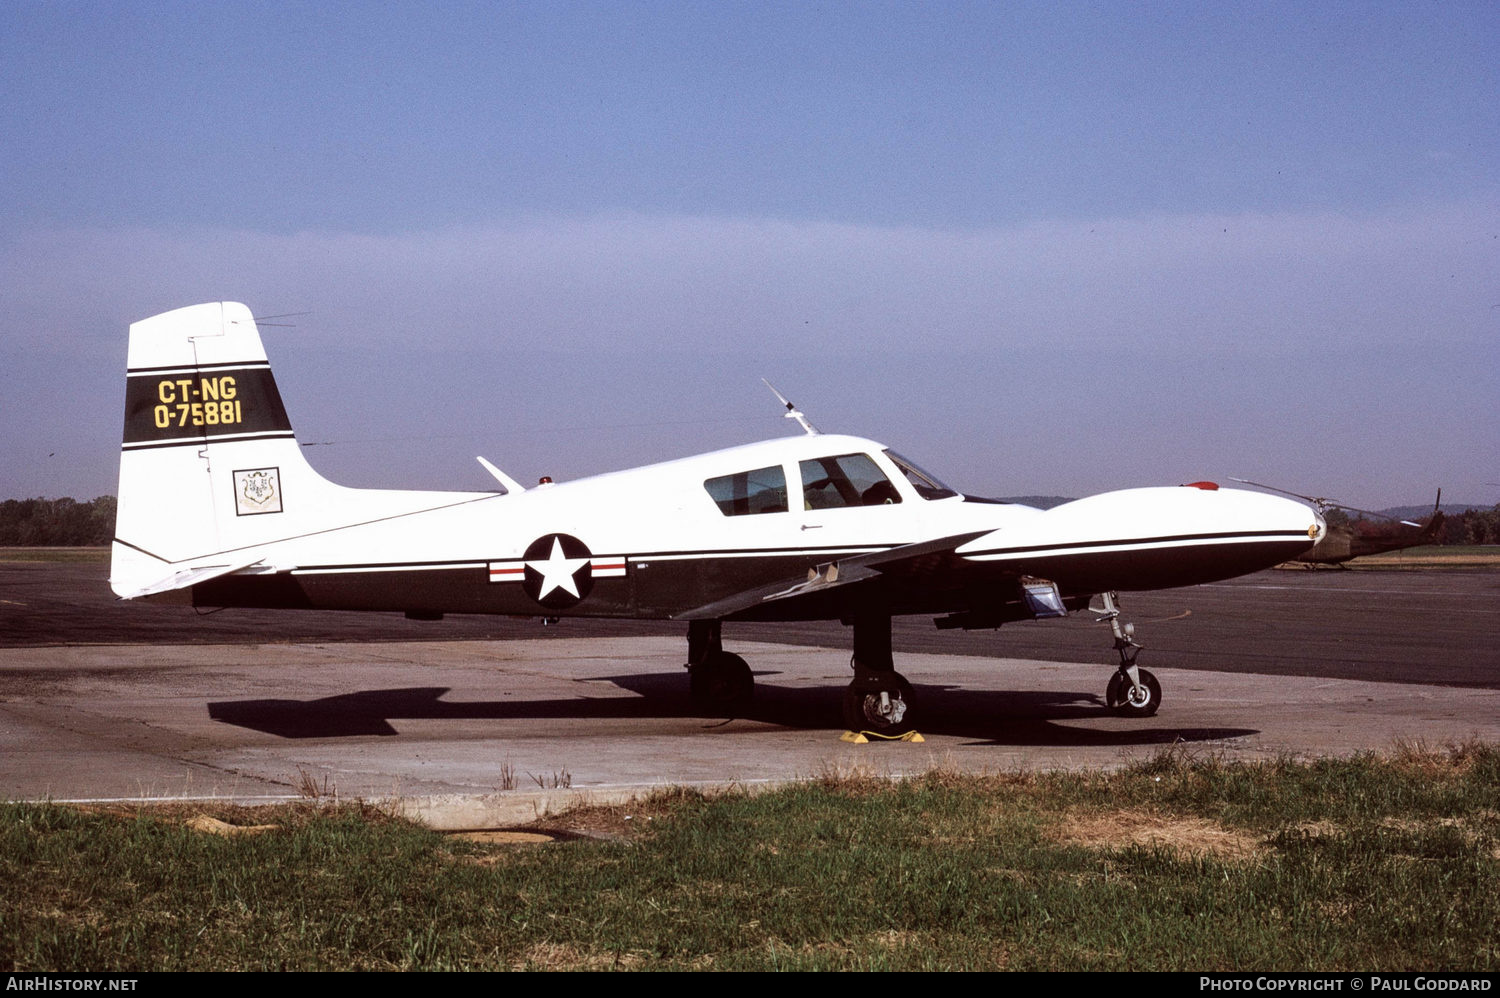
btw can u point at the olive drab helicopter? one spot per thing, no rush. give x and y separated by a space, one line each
218 507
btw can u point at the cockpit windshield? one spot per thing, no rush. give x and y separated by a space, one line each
927 487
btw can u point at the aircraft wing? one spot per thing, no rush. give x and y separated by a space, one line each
909 560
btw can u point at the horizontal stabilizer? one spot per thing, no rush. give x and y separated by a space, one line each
188 577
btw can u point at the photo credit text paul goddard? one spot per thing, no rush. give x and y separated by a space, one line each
1377 983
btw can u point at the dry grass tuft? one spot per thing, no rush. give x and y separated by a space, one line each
1450 759
213 826
1192 837
619 822
853 778
310 787
560 956
507 837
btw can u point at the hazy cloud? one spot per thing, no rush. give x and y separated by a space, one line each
1125 320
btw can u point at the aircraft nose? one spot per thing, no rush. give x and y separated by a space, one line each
1303 516
1278 516
1319 526
1283 515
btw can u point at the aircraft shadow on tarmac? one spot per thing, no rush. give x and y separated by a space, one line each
996 717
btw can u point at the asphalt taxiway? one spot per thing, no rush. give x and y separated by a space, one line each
478 721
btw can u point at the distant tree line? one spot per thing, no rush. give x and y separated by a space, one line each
1472 526
56 522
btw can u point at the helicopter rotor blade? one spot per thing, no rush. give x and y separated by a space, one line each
1324 503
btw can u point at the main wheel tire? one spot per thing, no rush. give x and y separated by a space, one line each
865 709
1124 699
721 684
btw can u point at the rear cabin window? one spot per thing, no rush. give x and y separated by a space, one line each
748 492
846 480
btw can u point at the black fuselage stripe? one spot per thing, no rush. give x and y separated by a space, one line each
252 365
464 563
663 593
396 566
800 549
218 439
1279 535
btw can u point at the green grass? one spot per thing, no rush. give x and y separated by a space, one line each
1432 556
90 555
1370 863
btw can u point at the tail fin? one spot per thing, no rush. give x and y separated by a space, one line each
210 471
1436 520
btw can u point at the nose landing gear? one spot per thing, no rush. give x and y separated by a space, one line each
1132 691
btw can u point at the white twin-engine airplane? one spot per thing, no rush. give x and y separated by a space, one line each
218 507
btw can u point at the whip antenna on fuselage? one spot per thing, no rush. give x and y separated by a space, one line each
792 412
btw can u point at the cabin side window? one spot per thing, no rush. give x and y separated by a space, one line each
845 480
746 493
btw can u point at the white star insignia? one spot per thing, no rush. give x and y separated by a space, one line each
557 571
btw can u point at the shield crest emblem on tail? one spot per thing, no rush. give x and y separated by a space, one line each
257 491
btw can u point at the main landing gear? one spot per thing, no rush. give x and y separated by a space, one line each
1132 691
878 701
718 681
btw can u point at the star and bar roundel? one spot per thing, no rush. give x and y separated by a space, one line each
557 570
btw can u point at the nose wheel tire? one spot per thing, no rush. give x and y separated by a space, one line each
879 706
1125 699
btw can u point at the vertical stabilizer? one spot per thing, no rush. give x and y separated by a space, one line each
208 451
211 477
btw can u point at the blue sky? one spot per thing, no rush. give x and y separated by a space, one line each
1042 248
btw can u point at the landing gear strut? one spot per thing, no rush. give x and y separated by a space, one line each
879 700
718 681
1132 691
